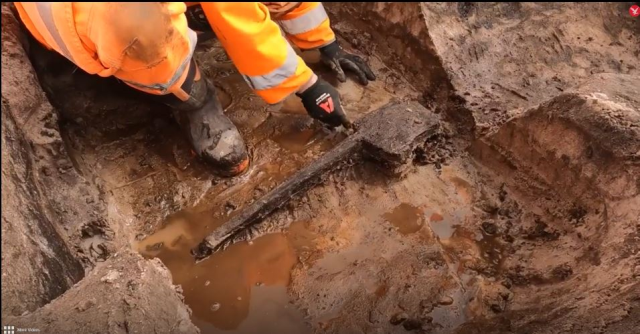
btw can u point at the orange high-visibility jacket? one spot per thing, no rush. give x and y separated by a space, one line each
149 45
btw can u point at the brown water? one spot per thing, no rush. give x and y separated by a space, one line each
242 289
224 97
293 105
406 218
308 142
297 141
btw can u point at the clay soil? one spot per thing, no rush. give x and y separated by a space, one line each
521 216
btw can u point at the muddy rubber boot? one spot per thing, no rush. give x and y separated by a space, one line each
213 136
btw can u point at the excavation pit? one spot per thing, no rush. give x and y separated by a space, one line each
521 215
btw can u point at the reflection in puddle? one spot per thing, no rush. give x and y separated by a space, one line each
445 227
407 218
296 141
242 289
224 97
309 140
293 105
436 217
178 233
269 312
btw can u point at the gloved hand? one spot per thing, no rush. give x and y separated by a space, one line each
322 102
197 20
340 60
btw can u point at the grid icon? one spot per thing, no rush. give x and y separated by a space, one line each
8 330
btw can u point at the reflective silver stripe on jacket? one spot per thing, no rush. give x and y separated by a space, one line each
46 14
163 87
304 23
277 76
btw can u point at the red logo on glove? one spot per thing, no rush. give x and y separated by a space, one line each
327 105
634 11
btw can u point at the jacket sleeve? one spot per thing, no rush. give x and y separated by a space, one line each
257 48
307 26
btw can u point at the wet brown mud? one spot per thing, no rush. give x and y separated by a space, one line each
435 220
281 141
529 227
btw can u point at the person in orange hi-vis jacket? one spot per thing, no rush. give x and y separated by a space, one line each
150 45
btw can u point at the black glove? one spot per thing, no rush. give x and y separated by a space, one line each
339 60
322 102
197 20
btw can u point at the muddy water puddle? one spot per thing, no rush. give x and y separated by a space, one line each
406 218
460 246
240 290
296 141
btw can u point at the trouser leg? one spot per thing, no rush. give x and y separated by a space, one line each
160 62
213 136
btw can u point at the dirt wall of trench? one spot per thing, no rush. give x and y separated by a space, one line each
487 62
49 210
505 58
574 160
41 198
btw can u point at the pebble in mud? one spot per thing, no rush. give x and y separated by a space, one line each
426 307
636 271
398 318
111 276
562 272
489 228
446 300
489 207
86 305
412 324
215 307
230 207
426 319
